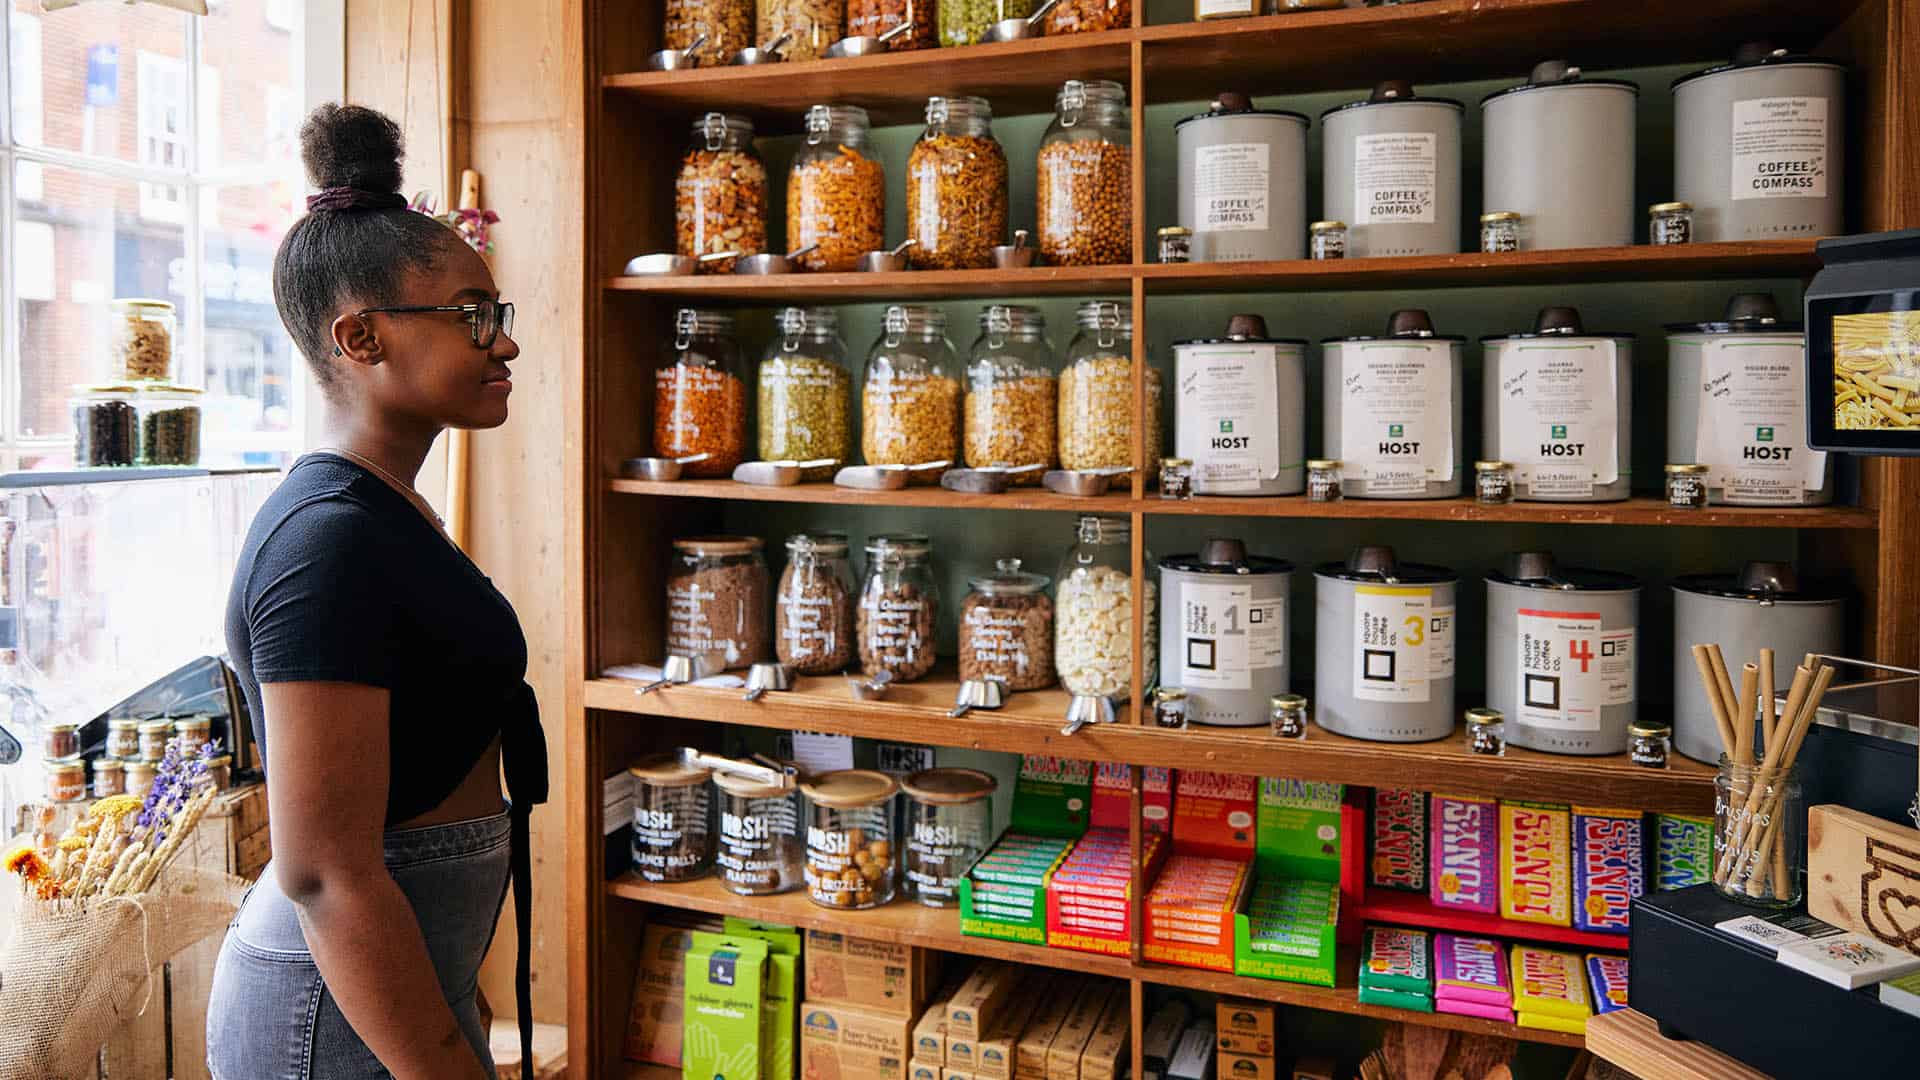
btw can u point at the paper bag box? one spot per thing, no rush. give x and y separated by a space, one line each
653 1025
844 1042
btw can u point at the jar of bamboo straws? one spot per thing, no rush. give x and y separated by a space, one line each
1760 839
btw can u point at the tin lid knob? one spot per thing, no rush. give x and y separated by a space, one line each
1769 577
1391 90
1242 327
1223 551
1557 320
1752 307
1531 565
1752 52
1410 322
1373 559
1552 71
1228 101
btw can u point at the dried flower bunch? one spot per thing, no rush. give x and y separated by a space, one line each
123 843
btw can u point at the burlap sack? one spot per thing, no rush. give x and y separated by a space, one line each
72 972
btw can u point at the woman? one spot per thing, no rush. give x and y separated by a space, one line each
384 673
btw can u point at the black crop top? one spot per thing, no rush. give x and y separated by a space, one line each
343 580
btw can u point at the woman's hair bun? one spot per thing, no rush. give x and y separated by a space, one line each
352 146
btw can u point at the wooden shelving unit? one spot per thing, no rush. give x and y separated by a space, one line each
619 529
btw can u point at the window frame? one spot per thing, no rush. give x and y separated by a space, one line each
322 78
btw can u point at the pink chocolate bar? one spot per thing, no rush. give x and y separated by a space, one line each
1463 840
1473 1008
1471 969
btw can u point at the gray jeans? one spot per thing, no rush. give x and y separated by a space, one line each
270 1016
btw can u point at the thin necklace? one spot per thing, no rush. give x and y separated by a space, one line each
418 500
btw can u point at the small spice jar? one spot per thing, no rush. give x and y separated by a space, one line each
1323 480
1499 231
140 346
850 852
760 851
717 601
700 395
672 819
1170 708
169 424
140 776
1493 483
1176 244
949 826
60 740
1327 240
1670 223
1006 628
1647 743
153 739
1486 732
1288 715
813 607
1176 478
106 426
109 778
219 774
123 737
1687 486
196 731
66 779
899 607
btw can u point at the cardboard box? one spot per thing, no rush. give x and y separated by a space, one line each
1163 1034
930 1035
1030 1057
1106 1057
653 1022
994 1057
956 1074
780 993
1063 1057
1243 1067
977 1005
1052 796
1298 831
1213 814
868 974
1090 895
723 998
1193 1055
846 1042
921 1070
1245 1027
1005 894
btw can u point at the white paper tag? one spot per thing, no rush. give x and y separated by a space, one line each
1396 414
1440 644
1780 148
1559 415
1569 668
1752 421
1228 424
1225 634
1230 185
616 802
817 753
1393 644
1393 178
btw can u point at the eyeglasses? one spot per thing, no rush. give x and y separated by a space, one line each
489 318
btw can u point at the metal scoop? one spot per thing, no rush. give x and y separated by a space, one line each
770 263
987 480
886 262
870 689
765 676
668 264
765 54
978 694
1087 709
658 468
1083 483
761 769
676 59
677 671
778 473
882 477
1017 28
866 45
1014 255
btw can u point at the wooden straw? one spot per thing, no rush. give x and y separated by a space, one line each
1768 718
1710 683
1722 680
1743 722
1764 800
1741 795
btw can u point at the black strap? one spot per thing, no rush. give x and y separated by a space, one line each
523 753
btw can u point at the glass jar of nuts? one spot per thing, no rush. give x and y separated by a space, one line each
140 341
899 609
1083 178
1096 393
850 852
814 24
1086 16
956 187
805 393
1006 628
836 191
726 24
813 607
720 196
700 395
1010 393
910 397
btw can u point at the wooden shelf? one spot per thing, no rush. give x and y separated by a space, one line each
1017 77
1641 510
1031 722
904 285
1461 40
936 928
1414 909
1632 1040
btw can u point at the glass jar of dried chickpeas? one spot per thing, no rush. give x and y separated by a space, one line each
851 859
1011 393
700 395
1083 178
836 191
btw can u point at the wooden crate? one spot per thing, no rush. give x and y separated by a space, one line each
169 1039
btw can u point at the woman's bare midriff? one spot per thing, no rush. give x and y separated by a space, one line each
477 796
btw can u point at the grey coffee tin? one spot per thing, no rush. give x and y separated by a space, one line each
1533 582
1223 631
1558 150
1390 169
1243 182
1342 703
1759 147
1558 326
1344 367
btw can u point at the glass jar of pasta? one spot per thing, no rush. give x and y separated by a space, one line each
871 18
726 24
1010 393
700 395
910 397
956 187
836 191
1083 178
720 196
812 24
805 391
1096 393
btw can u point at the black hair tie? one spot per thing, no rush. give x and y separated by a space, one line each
350 198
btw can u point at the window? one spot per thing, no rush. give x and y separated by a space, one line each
145 152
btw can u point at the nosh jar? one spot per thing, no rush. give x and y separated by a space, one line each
956 187
717 602
672 819
949 826
760 851
720 195
1083 177
851 859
